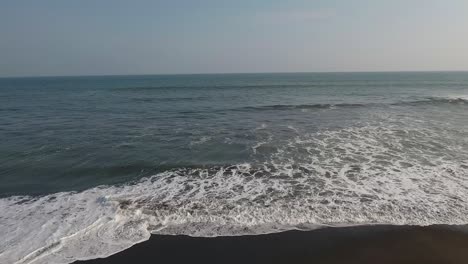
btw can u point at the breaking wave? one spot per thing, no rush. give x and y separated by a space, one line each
424 101
359 175
436 101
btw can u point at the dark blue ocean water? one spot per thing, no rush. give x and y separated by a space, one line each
125 156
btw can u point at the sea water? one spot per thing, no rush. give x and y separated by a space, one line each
92 165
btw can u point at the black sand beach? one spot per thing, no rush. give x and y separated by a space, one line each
362 244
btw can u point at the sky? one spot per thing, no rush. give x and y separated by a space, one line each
109 37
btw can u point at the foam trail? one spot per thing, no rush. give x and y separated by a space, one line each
358 175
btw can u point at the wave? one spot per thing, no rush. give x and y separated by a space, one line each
11 109
424 101
358 175
436 101
301 106
169 99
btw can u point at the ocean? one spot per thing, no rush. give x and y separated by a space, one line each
90 166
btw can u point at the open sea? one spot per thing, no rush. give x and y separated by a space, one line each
90 166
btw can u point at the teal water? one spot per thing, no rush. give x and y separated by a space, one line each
206 155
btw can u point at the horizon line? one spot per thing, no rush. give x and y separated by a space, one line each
227 73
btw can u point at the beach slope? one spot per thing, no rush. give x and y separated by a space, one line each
362 244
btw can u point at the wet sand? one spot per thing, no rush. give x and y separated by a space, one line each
363 244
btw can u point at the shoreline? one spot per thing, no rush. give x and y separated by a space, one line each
356 244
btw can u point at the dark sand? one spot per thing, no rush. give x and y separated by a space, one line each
364 244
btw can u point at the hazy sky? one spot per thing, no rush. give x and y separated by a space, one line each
88 37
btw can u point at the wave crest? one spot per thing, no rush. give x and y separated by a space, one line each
425 101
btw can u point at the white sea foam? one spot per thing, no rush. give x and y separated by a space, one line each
359 175
262 126
200 141
261 143
293 128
